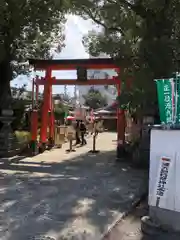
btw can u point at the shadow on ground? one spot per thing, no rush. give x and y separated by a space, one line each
85 193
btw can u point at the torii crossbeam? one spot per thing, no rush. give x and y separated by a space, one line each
81 66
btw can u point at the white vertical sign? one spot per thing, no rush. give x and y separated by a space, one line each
164 174
177 183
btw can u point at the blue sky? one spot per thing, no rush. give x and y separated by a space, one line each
75 28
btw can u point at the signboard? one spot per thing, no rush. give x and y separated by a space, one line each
165 98
70 133
81 74
164 188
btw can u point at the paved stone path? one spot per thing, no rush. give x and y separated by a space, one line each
56 195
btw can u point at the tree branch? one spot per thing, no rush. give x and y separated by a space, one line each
137 8
93 17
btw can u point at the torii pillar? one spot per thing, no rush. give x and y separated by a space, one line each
121 125
45 109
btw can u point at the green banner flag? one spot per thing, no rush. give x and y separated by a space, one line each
165 90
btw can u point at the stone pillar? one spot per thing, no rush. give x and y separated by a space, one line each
7 137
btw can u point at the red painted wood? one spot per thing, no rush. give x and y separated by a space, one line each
73 67
37 93
34 125
75 82
45 108
33 83
72 64
51 116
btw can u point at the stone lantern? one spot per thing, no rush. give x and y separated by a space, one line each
6 134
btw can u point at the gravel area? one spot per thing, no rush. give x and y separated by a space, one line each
61 196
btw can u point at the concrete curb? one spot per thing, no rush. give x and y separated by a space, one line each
125 214
151 228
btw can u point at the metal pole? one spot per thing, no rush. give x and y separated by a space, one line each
71 149
70 145
94 144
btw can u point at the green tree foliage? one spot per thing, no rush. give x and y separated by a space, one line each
60 110
143 34
17 92
28 29
94 99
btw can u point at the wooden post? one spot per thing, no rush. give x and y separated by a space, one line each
94 143
95 134
70 145
45 109
70 138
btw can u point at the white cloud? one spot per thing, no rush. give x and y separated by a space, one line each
74 47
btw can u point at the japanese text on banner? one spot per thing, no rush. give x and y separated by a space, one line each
165 98
168 103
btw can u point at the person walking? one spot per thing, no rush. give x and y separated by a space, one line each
83 131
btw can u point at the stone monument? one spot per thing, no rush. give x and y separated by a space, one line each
7 138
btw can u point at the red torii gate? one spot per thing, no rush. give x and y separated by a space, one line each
81 65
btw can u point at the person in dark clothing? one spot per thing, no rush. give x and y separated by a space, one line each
78 141
83 131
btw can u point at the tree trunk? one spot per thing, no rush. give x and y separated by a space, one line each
5 78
